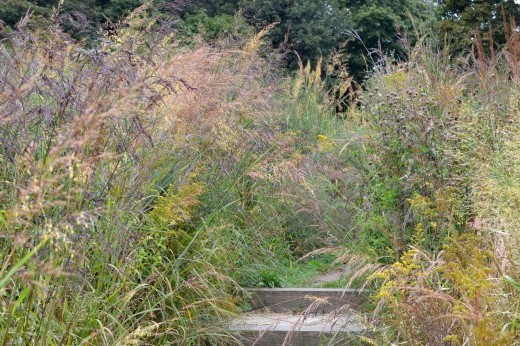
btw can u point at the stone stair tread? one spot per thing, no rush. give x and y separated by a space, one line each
301 316
286 322
308 290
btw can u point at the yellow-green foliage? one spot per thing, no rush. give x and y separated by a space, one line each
496 190
435 217
454 297
168 233
396 80
177 206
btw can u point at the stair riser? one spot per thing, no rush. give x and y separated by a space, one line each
277 338
289 300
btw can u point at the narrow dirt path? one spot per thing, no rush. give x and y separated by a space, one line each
333 276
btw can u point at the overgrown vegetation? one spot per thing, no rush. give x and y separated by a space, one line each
438 138
148 178
143 182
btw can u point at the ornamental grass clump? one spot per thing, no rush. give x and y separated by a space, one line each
106 155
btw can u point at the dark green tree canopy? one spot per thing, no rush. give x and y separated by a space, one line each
309 27
81 18
461 20
214 7
377 27
95 10
313 28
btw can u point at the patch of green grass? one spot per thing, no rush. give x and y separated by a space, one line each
302 273
289 273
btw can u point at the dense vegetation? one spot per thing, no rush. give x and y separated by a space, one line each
152 169
308 27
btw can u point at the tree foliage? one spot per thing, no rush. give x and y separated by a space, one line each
309 27
378 27
461 20
214 7
12 10
313 28
79 17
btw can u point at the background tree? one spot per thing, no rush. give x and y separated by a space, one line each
81 18
213 8
377 28
12 10
309 27
312 28
461 20
212 19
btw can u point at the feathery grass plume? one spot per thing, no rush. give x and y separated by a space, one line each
254 43
103 156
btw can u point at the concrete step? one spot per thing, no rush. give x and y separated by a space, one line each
301 317
310 300
274 329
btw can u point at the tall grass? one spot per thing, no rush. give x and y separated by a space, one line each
102 157
440 195
143 182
